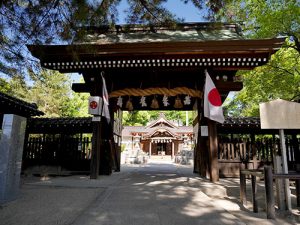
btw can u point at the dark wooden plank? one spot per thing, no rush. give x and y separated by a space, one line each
96 147
286 176
80 87
270 200
213 151
254 193
298 192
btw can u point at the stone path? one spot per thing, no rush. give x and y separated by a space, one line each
155 193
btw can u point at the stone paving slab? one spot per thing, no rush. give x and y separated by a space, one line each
154 193
44 205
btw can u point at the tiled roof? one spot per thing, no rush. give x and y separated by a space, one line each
241 122
59 125
145 34
128 130
12 105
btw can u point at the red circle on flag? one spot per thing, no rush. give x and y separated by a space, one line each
214 97
93 104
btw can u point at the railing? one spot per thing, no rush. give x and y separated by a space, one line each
268 176
253 174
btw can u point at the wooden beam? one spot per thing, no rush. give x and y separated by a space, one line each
81 87
265 45
227 86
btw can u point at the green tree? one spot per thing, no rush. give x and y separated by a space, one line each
4 86
265 19
136 118
77 105
141 118
280 77
59 21
52 93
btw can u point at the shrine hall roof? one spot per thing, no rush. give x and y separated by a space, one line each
129 130
134 47
145 34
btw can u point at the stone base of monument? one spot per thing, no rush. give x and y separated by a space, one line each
185 157
136 156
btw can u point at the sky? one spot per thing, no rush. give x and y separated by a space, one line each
186 11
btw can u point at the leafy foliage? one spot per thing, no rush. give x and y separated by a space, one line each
141 118
265 19
280 77
51 93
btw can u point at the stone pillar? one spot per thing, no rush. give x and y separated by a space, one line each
11 151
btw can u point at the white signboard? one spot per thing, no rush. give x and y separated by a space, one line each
279 114
95 105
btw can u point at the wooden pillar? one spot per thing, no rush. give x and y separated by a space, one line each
254 193
296 151
101 154
172 150
298 192
196 152
150 149
96 147
105 167
203 151
116 157
270 208
202 143
213 151
297 159
243 195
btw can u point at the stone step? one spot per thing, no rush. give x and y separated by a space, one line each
161 158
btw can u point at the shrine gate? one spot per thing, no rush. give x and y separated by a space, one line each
146 67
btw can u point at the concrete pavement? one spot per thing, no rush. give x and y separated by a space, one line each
155 193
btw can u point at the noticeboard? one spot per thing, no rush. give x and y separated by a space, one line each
279 114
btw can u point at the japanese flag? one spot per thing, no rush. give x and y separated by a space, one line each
105 110
212 101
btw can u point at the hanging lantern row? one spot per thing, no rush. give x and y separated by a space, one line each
161 141
154 103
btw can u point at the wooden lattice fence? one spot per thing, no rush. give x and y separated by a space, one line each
233 151
67 152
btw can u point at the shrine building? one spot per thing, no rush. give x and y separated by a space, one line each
159 137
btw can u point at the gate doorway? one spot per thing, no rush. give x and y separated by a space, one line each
160 137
